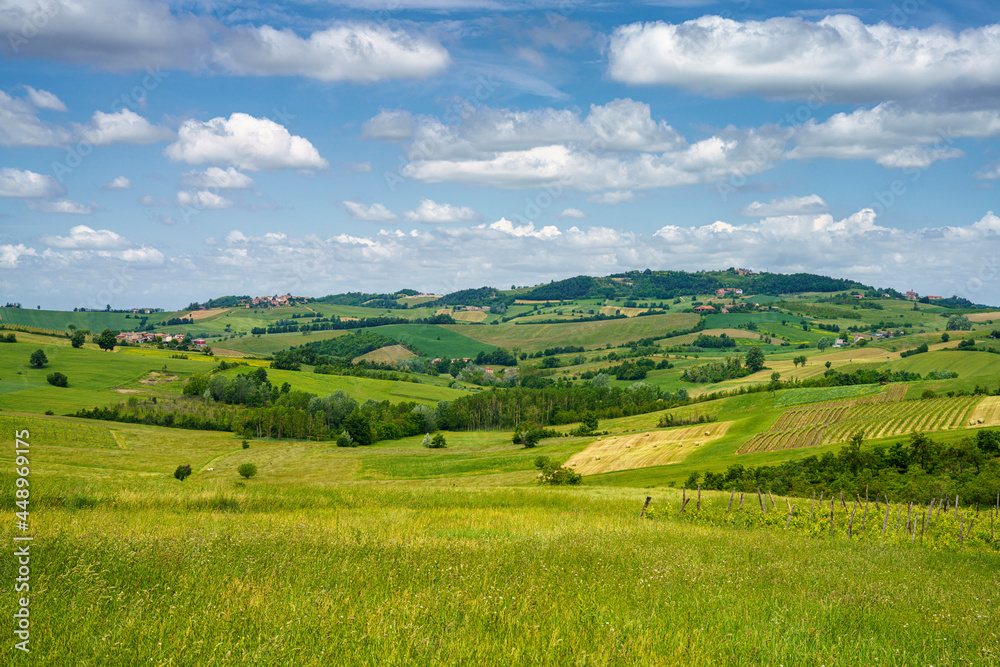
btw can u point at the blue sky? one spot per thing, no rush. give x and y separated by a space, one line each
156 153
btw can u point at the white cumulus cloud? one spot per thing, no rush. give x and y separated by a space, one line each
118 183
785 57
25 183
202 200
82 237
374 213
61 206
43 99
216 177
432 212
123 126
361 52
810 204
244 142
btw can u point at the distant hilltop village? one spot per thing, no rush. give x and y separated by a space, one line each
274 301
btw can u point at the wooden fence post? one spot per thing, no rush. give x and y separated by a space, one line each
731 499
961 536
956 505
909 513
914 535
843 504
791 511
898 512
773 506
888 507
831 517
741 499
761 501
850 524
643 512
699 497
683 505
865 516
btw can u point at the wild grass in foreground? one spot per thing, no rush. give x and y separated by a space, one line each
372 575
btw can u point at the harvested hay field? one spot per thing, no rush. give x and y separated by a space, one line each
204 314
469 316
984 317
987 413
627 312
641 450
386 355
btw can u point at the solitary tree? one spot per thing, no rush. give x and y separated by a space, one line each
438 441
248 470
57 379
754 359
38 359
78 338
106 340
182 472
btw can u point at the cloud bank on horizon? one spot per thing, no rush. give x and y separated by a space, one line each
447 144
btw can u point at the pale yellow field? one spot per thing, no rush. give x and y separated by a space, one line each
627 312
641 450
386 355
202 314
988 411
469 316
984 317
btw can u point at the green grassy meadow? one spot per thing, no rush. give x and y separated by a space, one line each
533 337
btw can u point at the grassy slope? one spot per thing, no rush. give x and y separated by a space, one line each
438 341
267 344
532 337
58 320
93 374
303 564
